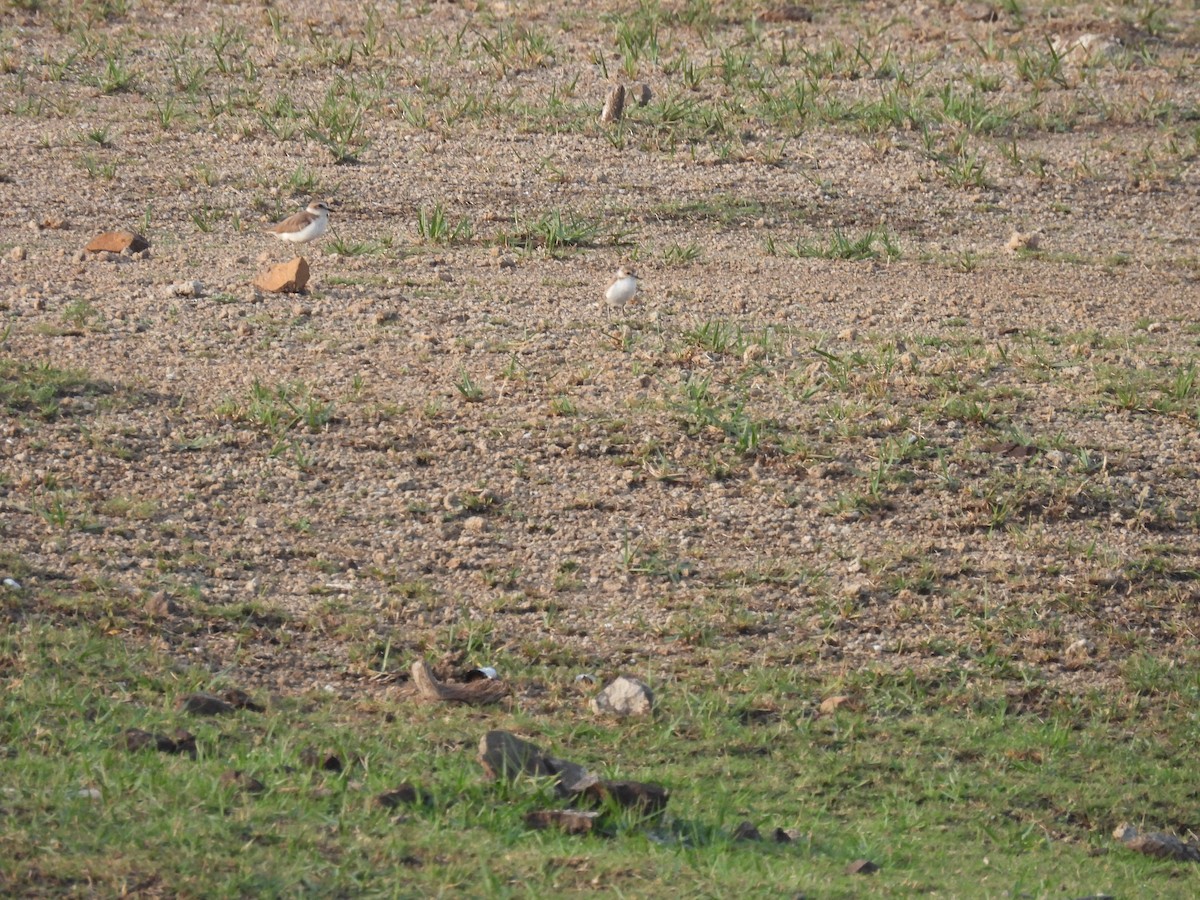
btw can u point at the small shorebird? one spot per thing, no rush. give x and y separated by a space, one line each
303 226
623 289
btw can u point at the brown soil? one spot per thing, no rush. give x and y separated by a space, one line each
573 513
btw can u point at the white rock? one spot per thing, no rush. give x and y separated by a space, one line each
1085 48
624 697
1019 240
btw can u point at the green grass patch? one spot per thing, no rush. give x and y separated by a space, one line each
871 244
40 389
950 785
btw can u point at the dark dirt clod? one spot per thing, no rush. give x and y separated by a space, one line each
570 821
747 831
202 704
404 794
317 759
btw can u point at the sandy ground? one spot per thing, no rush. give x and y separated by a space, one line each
455 449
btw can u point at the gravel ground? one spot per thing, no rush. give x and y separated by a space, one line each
455 448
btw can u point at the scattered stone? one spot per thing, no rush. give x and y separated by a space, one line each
1056 458
790 12
301 310
12 584
830 705
505 756
89 793
1113 579
289 277
1018 240
315 759
117 242
758 715
856 590
483 672
1086 48
1157 327
861 867
233 778
614 105
185 742
753 352
1157 843
646 798
477 692
1079 651
179 742
568 821
186 289
239 699
747 831
642 93
978 12
848 335
134 740
404 795
1010 449
16 254
624 697
202 704
160 606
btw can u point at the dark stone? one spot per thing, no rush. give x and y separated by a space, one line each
570 821
404 795
202 704
747 831
861 867
314 759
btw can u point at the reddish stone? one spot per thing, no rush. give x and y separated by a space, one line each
289 277
117 242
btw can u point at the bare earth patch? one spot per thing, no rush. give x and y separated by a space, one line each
850 424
